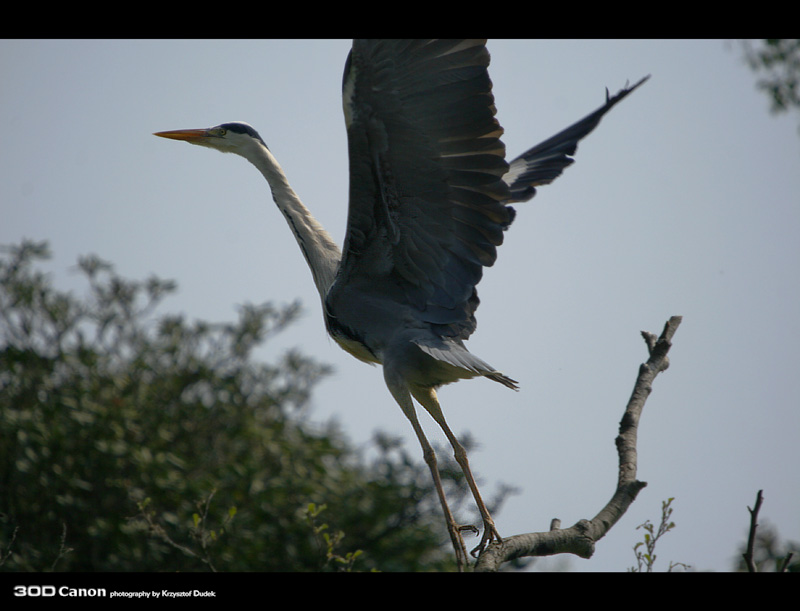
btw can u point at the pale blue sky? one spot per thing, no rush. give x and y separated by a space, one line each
683 201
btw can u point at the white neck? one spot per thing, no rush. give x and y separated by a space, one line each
321 252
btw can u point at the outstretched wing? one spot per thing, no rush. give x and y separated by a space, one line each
543 163
427 200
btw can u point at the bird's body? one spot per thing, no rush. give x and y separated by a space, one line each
429 203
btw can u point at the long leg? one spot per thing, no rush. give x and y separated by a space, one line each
403 398
427 398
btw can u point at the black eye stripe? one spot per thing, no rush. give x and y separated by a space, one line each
241 128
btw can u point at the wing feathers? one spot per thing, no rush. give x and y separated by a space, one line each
545 162
429 183
426 174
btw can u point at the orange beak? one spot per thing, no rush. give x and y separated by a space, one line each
188 135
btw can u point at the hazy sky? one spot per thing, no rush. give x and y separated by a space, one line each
683 201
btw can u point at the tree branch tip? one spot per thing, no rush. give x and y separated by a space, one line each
666 335
748 554
650 339
670 327
759 501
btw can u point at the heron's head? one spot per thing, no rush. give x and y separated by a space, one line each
233 137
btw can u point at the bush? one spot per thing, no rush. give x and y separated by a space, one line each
136 442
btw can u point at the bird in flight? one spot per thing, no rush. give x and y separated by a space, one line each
429 201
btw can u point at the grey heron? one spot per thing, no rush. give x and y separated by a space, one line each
429 201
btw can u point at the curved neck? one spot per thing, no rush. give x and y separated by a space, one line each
321 252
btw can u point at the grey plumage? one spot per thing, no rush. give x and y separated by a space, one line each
429 199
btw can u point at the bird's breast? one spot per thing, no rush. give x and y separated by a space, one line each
348 339
357 349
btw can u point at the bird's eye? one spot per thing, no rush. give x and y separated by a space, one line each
222 131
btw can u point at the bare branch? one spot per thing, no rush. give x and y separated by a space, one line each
580 539
63 550
751 539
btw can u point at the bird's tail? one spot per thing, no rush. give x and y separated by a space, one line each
455 354
503 379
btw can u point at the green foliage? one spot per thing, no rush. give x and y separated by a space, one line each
645 560
328 542
130 441
777 62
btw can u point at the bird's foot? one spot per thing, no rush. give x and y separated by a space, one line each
490 534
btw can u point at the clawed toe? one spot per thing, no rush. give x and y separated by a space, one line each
489 534
470 527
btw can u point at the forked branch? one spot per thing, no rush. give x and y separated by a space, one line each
580 538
